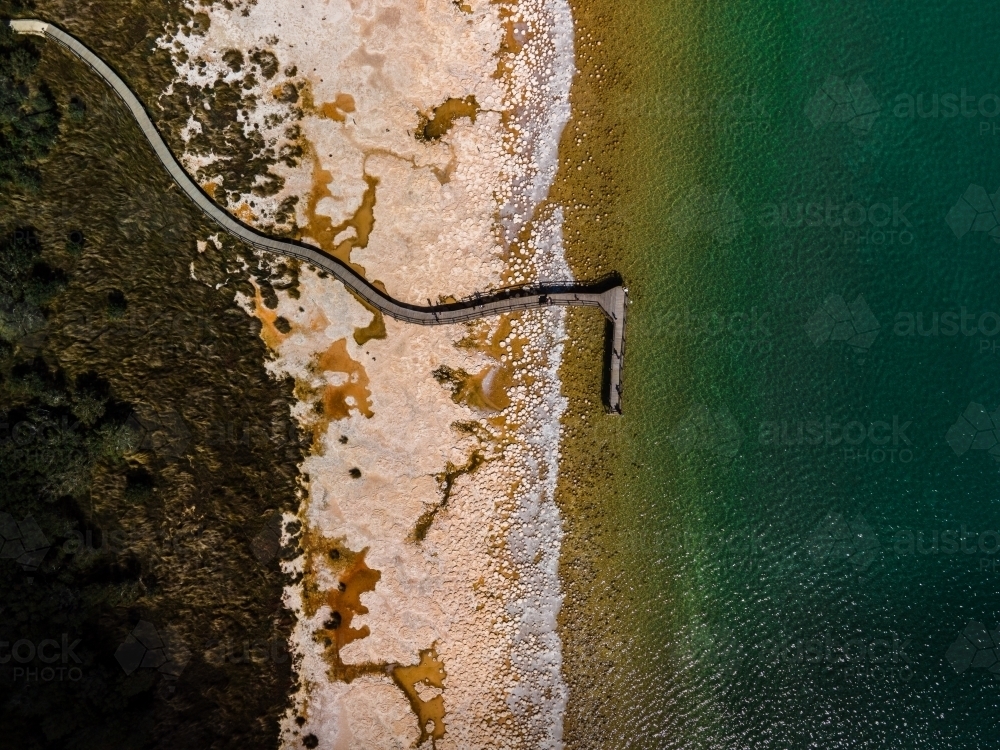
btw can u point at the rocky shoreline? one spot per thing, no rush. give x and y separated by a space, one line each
418 145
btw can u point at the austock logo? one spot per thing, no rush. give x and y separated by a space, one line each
165 433
979 545
258 651
838 539
855 652
976 211
267 543
719 649
22 541
835 320
881 440
976 429
871 223
975 648
145 648
58 659
702 211
704 430
741 331
838 102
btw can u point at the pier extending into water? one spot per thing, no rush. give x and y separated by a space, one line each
609 294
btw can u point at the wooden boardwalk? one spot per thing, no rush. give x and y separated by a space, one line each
609 295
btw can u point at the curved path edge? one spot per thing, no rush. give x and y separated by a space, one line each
608 294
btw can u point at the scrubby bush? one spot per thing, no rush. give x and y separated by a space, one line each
29 117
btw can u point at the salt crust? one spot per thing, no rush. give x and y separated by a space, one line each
482 586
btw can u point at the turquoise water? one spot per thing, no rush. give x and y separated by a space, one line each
811 525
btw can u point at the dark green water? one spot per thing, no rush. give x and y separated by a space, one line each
807 541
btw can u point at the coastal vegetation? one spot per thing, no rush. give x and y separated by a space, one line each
29 118
146 456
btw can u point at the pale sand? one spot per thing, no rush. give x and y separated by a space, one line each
482 587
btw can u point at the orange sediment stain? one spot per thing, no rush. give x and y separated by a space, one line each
511 45
375 329
354 578
430 670
487 389
318 322
338 109
363 220
516 34
267 317
443 117
491 386
354 393
321 228
244 213
345 603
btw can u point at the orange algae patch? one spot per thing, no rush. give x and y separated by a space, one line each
363 220
210 188
514 37
345 603
339 108
446 481
318 321
443 117
487 340
322 229
355 579
243 213
286 92
335 397
267 317
430 670
487 389
516 34
375 329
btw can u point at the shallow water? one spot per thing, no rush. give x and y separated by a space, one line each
783 472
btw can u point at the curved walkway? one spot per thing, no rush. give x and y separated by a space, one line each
608 295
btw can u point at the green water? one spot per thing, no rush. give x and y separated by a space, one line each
785 588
